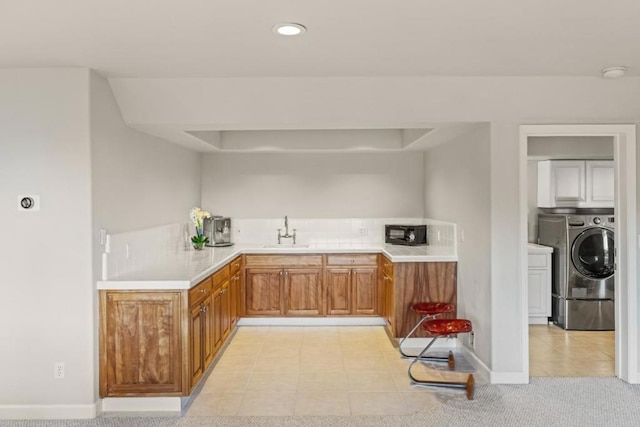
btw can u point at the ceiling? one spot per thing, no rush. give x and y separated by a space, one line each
210 39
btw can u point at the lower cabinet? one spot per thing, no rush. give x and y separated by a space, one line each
160 343
539 288
284 285
141 343
407 283
352 291
302 292
263 291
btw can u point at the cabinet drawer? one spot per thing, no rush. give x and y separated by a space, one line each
221 276
235 266
387 266
200 291
537 261
283 260
352 259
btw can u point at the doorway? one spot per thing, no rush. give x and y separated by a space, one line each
625 336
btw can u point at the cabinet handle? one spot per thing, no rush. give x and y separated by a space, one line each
281 272
202 291
237 264
353 260
286 273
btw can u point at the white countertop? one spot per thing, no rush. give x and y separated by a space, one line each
186 269
539 249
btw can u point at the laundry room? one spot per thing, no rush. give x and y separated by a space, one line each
571 250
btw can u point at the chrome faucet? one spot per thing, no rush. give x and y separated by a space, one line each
286 234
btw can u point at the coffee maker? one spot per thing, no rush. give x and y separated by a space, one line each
218 230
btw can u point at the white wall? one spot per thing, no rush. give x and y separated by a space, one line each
570 147
313 185
46 303
457 189
139 181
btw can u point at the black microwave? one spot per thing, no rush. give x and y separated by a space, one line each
405 234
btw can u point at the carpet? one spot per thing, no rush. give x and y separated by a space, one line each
543 402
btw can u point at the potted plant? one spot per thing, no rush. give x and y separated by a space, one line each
197 217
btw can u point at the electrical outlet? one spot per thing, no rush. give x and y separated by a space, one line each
472 339
438 235
364 231
58 370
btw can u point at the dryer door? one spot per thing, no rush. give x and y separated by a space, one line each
592 253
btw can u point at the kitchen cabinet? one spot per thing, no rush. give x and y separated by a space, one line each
160 343
539 284
387 307
140 342
201 324
221 307
283 285
302 291
352 284
407 283
235 290
575 183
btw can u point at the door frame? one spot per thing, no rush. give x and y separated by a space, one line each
626 285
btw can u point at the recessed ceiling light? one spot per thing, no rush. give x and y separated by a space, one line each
289 29
613 72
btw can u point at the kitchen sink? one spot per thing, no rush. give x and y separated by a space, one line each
285 246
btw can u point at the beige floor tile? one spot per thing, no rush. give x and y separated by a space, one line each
243 350
226 382
321 363
373 403
310 350
270 349
282 381
365 364
538 371
215 404
267 404
371 381
322 403
277 364
235 364
322 381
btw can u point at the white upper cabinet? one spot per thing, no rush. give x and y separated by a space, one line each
575 183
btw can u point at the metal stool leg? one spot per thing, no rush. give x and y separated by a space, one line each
469 385
449 359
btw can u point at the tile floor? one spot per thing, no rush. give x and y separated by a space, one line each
554 352
317 371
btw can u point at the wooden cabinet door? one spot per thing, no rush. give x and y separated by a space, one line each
226 310
263 291
338 291
140 337
234 294
389 302
364 290
208 350
196 327
303 292
217 319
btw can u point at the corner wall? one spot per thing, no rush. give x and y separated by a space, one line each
457 189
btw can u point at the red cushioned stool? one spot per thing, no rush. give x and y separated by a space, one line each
429 310
443 328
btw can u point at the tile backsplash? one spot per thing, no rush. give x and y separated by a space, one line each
137 250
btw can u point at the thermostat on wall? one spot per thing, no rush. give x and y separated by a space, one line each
28 203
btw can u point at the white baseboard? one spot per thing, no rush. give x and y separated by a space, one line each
47 412
538 321
141 404
480 367
311 321
509 378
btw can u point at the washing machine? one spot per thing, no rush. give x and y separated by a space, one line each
583 268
